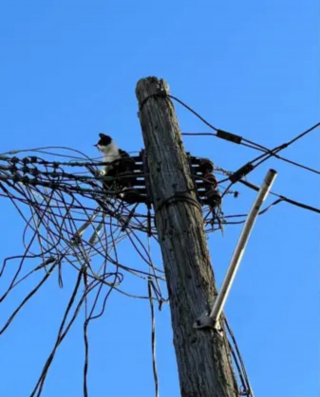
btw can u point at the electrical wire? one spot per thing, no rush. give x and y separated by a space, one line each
239 140
283 198
74 220
70 218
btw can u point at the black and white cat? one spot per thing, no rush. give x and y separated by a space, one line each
111 153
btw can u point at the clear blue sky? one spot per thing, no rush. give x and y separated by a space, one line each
68 71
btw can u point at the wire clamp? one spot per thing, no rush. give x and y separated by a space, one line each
205 321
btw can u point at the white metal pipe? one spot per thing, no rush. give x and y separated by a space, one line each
239 251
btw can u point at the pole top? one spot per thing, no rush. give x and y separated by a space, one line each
151 86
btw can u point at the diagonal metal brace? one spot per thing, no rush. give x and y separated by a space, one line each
212 320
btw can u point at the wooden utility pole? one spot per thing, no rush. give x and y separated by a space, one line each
203 356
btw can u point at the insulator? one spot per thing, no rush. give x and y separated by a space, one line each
213 197
194 160
16 177
211 179
13 169
206 166
125 164
25 179
126 178
14 160
132 196
33 181
25 169
34 171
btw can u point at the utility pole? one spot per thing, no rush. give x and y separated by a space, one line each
203 356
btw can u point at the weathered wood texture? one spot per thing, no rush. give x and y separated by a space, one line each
203 356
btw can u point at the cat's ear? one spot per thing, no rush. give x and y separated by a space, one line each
105 140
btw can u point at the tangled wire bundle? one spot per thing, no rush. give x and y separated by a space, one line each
71 218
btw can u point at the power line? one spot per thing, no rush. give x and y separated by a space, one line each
285 145
283 198
246 142
256 188
260 149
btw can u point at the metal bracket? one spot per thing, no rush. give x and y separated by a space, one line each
205 321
